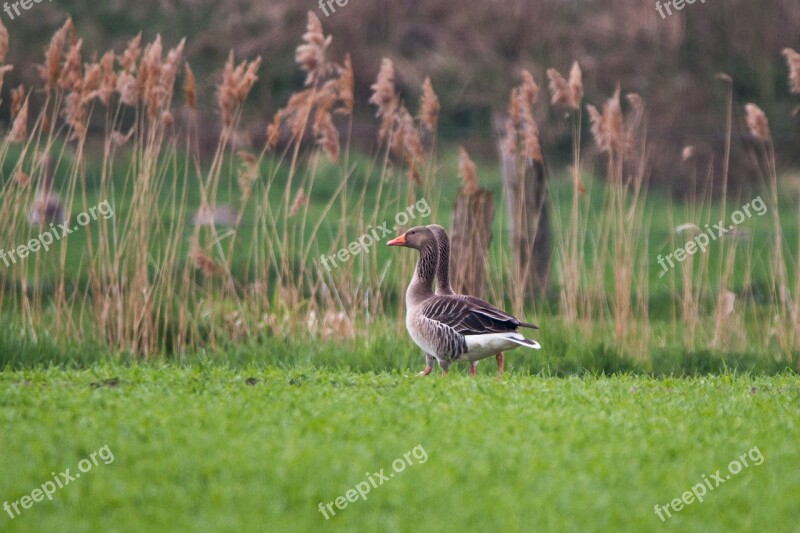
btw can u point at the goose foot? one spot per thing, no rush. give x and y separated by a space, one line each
472 368
500 364
425 372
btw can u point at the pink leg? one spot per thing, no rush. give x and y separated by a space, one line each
500 364
472 368
429 360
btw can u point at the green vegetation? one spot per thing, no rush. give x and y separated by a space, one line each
213 447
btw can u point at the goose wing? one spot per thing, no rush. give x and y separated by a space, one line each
496 313
468 317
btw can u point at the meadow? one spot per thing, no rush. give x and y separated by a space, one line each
239 384
210 447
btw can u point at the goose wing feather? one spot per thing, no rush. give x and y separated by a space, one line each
468 317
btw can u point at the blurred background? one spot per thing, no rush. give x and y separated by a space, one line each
473 52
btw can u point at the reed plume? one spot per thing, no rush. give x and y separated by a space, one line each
509 143
300 201
50 72
17 99
526 95
757 122
561 94
793 61
203 262
19 129
407 145
131 54
468 172
529 90
576 84
237 81
608 127
248 173
165 85
345 87
128 89
3 70
149 76
430 107
326 134
118 138
3 42
108 83
71 72
311 55
74 113
190 87
385 97
566 93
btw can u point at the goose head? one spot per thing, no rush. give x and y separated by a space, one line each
420 238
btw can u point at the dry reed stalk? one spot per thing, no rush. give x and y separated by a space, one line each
569 93
786 311
622 218
525 186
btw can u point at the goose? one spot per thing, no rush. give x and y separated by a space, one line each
443 288
450 328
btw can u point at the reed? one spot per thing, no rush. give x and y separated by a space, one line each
204 251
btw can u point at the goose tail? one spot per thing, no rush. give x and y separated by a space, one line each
528 343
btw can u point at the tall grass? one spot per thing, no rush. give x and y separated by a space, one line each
163 277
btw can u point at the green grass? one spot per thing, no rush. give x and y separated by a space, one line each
383 347
255 447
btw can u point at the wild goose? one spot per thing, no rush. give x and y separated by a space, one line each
443 288
449 328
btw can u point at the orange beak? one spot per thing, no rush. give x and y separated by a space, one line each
399 241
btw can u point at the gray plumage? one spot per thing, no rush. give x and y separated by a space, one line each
450 327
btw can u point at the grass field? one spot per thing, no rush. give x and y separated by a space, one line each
209 447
